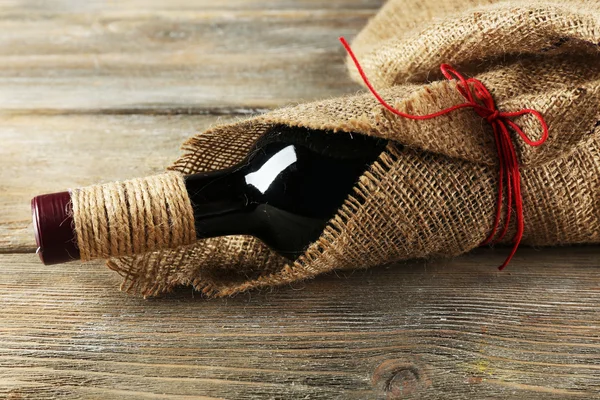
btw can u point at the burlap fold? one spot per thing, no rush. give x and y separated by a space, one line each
435 194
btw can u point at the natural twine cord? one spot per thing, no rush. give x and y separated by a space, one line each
133 217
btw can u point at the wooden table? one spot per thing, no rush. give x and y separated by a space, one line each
102 90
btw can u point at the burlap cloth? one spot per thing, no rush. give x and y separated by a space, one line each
434 195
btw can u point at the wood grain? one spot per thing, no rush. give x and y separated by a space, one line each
92 91
439 330
106 55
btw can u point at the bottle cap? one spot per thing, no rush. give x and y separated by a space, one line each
54 230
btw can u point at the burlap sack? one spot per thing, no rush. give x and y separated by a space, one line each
435 194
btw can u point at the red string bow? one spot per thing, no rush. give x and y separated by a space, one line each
480 99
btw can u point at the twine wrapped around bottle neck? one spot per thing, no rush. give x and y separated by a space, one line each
133 217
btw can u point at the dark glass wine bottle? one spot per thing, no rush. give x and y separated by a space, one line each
286 190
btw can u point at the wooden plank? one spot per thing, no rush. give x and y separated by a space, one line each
45 154
136 6
129 56
447 329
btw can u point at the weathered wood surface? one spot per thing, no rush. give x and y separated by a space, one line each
444 330
100 90
173 55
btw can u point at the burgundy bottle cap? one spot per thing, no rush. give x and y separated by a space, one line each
53 227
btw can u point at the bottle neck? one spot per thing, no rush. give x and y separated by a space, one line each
220 202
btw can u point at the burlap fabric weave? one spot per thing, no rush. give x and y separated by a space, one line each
433 191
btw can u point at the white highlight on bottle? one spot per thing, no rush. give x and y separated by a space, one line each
265 175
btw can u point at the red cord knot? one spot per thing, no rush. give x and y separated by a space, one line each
481 101
493 117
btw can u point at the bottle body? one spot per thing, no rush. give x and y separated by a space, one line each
286 190
292 182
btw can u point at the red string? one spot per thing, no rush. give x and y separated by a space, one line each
482 102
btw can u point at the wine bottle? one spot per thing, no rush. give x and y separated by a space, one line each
289 186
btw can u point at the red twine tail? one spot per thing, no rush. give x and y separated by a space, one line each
482 102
